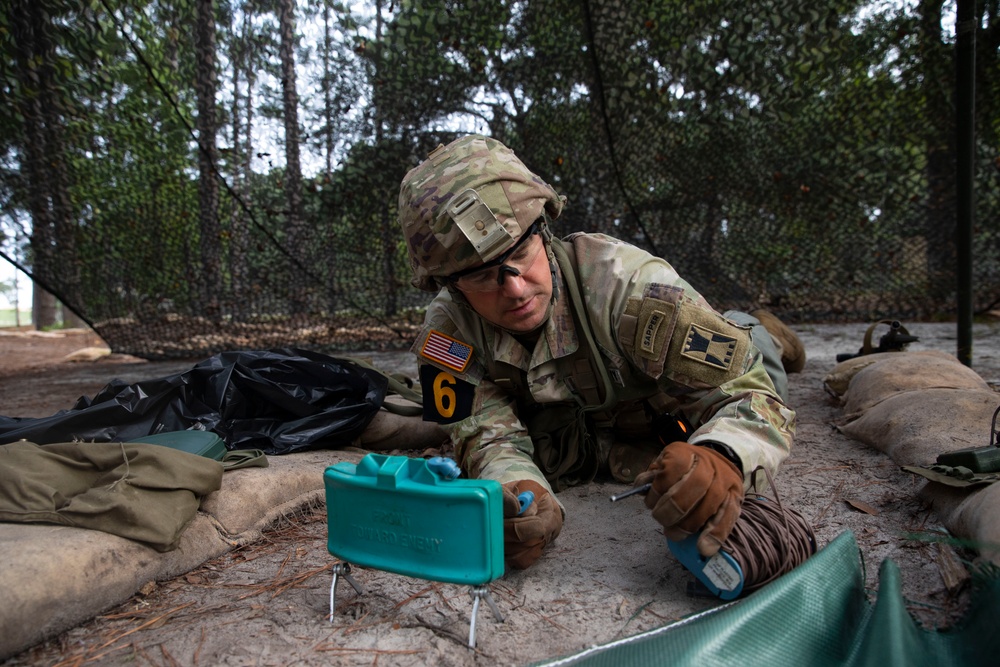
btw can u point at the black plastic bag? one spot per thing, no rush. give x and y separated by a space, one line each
279 401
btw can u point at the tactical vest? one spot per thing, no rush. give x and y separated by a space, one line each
571 438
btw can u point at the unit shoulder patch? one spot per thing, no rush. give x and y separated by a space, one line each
648 325
654 327
708 348
447 399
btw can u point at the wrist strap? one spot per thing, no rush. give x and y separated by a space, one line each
725 450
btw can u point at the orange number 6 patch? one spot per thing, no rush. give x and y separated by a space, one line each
447 399
444 394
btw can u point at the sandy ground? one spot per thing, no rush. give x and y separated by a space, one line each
608 576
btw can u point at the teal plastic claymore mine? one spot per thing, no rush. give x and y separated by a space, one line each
397 514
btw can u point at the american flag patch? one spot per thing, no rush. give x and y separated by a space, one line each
446 351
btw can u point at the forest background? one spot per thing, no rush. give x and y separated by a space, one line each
189 176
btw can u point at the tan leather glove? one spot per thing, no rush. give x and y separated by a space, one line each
694 489
525 536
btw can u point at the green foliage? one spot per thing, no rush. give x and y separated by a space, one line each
784 153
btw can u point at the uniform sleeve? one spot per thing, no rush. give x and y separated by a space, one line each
493 443
706 366
746 415
711 367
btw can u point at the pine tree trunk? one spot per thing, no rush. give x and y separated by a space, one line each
293 170
208 186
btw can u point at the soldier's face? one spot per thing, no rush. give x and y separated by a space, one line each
521 303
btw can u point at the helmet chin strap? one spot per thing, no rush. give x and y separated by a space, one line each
553 267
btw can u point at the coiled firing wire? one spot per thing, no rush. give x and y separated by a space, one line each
768 540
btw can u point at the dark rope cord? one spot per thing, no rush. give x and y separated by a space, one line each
769 539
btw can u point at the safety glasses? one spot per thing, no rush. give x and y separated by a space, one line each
490 276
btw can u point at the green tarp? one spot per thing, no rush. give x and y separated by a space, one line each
817 615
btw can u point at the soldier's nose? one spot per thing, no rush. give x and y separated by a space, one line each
512 286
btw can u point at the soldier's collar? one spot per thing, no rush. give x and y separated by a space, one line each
561 336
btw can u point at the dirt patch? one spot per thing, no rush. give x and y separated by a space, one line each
24 349
44 372
608 575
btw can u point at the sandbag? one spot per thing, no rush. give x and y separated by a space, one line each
971 514
905 372
913 427
389 430
837 382
914 406
55 577
839 379
254 497
59 576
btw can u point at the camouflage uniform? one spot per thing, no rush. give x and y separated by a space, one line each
660 344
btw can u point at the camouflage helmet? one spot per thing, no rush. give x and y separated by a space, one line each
466 204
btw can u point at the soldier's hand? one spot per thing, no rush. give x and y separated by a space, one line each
694 489
525 535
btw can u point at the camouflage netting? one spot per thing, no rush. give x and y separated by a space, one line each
191 176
